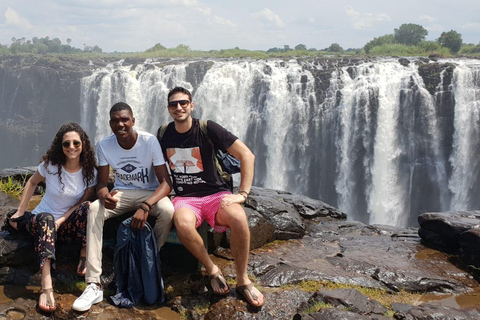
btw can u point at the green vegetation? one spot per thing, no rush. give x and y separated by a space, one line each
404 50
451 39
12 188
410 34
382 296
317 306
406 40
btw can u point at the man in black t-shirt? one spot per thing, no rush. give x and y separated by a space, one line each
203 195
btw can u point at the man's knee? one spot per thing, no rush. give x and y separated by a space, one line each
164 210
235 217
184 220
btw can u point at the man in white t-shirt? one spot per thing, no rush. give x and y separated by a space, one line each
142 184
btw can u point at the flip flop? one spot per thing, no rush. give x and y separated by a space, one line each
247 292
80 269
221 282
50 306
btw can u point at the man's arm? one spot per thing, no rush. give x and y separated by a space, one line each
163 190
103 195
247 167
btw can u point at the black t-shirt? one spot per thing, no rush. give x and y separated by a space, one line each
191 158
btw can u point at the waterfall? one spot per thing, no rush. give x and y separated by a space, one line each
366 137
465 181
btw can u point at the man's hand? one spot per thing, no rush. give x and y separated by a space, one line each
232 198
109 201
139 219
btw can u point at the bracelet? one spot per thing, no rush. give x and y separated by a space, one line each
148 205
244 193
145 210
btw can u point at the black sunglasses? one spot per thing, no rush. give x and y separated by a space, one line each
76 143
174 104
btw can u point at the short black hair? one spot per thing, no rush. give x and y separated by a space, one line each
180 89
119 106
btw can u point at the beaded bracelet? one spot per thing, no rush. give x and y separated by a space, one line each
145 209
147 204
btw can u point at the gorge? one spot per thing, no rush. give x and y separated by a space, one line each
383 140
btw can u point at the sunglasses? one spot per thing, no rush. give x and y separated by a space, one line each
76 143
174 104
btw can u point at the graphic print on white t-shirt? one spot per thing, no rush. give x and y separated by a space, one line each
185 160
130 170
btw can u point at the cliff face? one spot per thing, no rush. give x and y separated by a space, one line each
37 95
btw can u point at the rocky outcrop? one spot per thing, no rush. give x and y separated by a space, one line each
455 232
316 245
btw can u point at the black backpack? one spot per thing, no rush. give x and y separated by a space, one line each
226 163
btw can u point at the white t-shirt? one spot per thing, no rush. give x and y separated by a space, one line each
133 168
60 197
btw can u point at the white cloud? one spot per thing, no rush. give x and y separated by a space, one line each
266 15
364 20
12 18
223 22
427 18
471 26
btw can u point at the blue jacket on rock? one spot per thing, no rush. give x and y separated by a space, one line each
137 267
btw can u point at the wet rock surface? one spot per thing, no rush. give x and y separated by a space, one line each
457 232
294 239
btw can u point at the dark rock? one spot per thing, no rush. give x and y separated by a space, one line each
351 299
433 312
470 247
18 173
337 314
404 62
453 232
284 216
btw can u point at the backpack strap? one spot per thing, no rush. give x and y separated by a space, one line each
161 130
225 175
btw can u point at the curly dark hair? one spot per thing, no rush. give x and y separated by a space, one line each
56 157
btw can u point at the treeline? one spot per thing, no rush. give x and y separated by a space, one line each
409 39
44 45
406 40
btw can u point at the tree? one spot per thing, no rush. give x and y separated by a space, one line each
451 40
410 34
335 47
300 47
157 47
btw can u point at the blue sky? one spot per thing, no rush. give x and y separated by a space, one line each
130 26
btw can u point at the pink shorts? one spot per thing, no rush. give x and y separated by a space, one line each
205 208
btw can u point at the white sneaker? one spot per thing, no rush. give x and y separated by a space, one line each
92 294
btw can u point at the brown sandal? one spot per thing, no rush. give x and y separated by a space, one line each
50 306
247 292
80 269
221 282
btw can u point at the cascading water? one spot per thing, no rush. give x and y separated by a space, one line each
465 181
367 138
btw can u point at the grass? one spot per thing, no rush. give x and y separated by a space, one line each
384 297
12 188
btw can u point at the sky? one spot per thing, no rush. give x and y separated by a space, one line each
136 25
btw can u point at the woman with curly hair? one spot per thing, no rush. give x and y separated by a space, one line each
69 171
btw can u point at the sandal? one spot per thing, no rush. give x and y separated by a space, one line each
247 292
50 306
81 269
219 279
